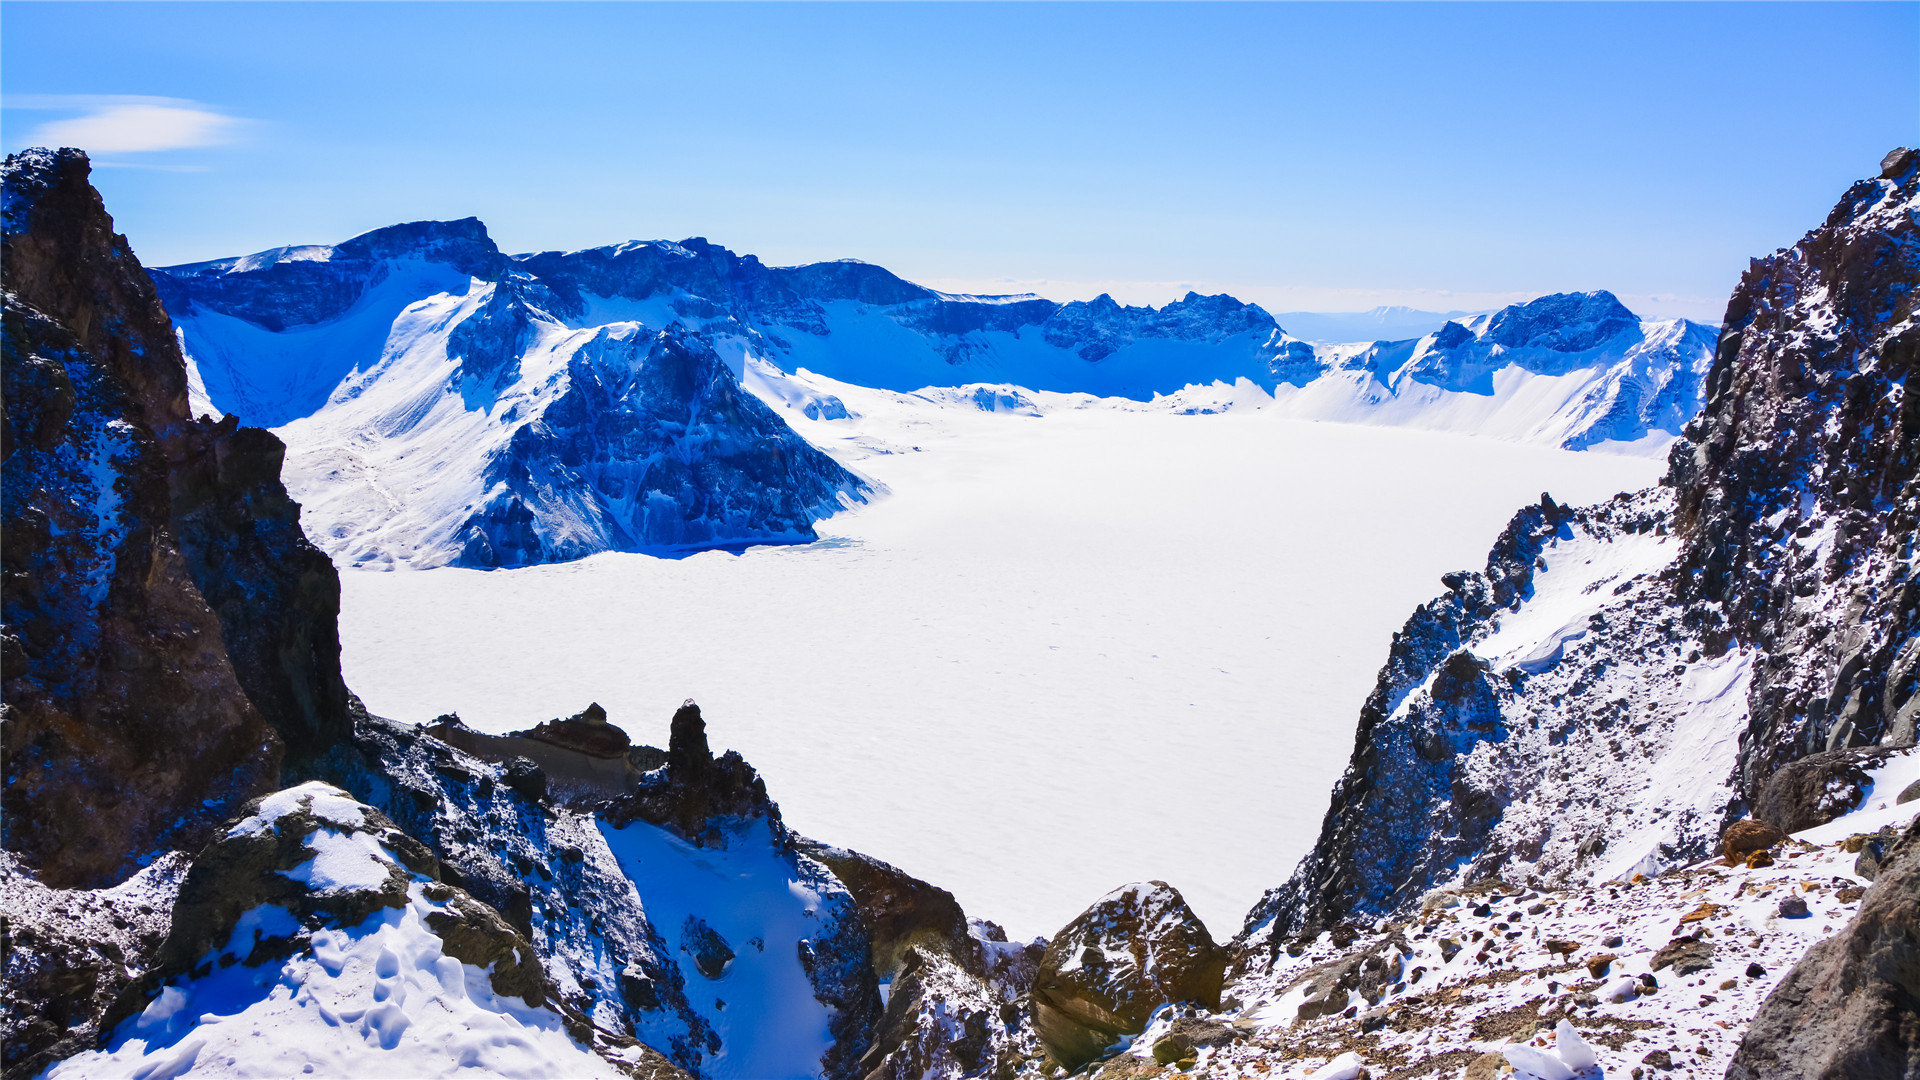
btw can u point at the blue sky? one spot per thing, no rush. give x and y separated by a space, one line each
1304 156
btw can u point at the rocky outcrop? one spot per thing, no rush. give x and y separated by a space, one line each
1136 949
295 881
1851 1007
1765 590
697 795
1817 788
1799 491
168 631
652 443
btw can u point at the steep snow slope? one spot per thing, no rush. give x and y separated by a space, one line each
1061 606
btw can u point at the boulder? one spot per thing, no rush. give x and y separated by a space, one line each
1686 954
1818 788
1136 949
1747 836
1851 1006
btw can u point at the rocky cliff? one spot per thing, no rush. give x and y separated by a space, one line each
1621 681
168 630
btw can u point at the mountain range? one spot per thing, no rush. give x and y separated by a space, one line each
445 403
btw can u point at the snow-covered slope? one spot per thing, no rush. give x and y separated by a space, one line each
313 938
436 410
445 403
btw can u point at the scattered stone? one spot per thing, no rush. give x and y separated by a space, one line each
1793 907
1173 1047
1659 1059
1598 966
711 953
1759 859
1755 971
1846 1009
1704 911
1613 941
1686 955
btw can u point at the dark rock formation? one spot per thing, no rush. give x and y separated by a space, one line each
1379 847
654 443
1103 975
167 627
1817 788
587 732
1799 490
1851 1007
901 912
697 795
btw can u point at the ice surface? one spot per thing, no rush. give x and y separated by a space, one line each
1069 650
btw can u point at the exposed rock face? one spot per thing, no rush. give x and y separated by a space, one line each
558 876
1533 722
168 629
697 795
1136 949
1816 789
1851 1007
553 438
69 953
653 443
1798 494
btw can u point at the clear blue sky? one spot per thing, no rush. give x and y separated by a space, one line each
1317 156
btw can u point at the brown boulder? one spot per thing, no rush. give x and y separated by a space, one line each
1104 974
1746 836
1817 788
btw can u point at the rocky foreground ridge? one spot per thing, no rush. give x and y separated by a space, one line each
1562 848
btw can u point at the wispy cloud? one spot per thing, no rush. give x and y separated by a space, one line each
126 124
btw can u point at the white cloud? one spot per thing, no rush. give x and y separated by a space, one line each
125 125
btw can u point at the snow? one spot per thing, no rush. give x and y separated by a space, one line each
1146 631
271 378
762 1005
343 862
1605 985
378 999
321 799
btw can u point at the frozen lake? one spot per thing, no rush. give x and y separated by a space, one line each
1064 653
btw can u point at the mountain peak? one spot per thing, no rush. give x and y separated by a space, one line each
1563 322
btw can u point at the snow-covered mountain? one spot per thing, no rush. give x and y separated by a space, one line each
442 409
446 403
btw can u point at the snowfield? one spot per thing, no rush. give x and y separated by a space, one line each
1100 644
